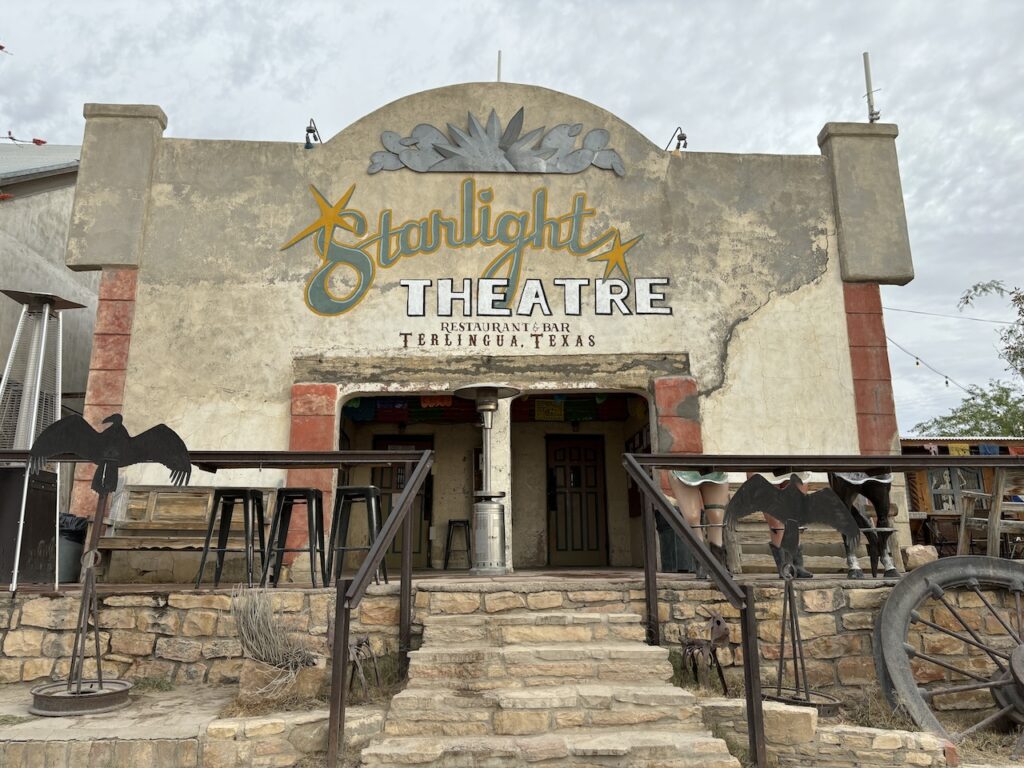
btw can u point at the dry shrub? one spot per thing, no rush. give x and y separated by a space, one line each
263 641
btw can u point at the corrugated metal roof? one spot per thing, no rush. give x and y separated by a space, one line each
968 439
18 160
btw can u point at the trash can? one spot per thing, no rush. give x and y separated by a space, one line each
72 542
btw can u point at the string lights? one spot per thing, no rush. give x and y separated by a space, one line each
919 362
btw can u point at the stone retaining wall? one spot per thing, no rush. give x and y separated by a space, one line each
190 636
795 738
187 637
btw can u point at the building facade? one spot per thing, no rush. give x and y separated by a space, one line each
267 296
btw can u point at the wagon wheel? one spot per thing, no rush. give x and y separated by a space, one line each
951 631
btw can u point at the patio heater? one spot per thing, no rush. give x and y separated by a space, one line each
488 511
30 390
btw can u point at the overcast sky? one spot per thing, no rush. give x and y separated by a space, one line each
738 76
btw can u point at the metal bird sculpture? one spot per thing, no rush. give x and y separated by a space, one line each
112 449
794 509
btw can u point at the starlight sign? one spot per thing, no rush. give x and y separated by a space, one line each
342 238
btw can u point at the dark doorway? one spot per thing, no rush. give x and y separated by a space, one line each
391 481
577 518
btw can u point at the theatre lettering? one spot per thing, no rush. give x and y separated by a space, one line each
497 293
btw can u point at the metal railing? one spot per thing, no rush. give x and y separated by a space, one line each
642 469
351 591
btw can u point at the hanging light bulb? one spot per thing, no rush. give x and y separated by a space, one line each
947 383
917 362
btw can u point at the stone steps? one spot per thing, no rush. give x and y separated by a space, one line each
523 711
523 627
545 687
634 748
482 667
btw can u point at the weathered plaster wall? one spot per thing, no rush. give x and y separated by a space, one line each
779 367
33 233
221 313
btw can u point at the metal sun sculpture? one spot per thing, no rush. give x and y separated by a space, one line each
491 149
794 509
110 450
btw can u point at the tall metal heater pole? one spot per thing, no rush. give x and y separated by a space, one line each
488 511
27 436
27 380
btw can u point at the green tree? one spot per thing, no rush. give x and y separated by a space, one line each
995 411
1012 338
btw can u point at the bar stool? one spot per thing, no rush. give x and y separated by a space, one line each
345 496
313 499
224 501
457 525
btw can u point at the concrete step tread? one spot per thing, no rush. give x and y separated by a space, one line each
683 748
467 652
423 700
531 617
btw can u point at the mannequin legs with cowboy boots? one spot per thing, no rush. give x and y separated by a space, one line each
708 493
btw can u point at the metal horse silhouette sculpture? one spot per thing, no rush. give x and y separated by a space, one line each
794 509
110 450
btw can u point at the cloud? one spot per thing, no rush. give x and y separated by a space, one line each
738 76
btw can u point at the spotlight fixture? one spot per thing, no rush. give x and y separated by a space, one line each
679 138
312 134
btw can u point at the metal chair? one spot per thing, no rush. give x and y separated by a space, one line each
344 497
313 499
453 526
224 501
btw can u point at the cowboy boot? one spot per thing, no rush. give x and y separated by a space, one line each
720 555
798 565
777 555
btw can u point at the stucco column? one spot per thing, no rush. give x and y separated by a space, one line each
871 222
501 467
119 154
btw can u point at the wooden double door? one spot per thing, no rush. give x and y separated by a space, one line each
576 501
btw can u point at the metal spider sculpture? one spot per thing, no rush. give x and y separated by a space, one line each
700 655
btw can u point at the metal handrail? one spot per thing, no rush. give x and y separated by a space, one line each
741 597
350 593
641 468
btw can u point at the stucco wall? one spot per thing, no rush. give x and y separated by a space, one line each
222 328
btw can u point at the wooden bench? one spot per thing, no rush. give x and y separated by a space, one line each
166 518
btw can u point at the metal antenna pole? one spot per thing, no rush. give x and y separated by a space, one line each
499 65
873 114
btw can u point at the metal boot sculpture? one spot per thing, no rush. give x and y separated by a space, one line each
110 450
794 508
